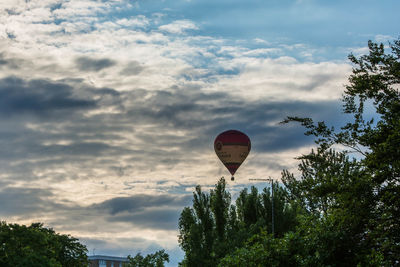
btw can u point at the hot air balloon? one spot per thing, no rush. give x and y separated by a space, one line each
232 148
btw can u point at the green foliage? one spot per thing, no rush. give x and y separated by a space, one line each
196 226
315 243
36 245
348 206
264 250
156 259
255 211
357 201
214 228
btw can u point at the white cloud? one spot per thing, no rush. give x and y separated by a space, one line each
284 78
179 26
385 39
139 21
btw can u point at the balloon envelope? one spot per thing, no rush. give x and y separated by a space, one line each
232 148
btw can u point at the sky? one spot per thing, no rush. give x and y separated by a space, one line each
109 109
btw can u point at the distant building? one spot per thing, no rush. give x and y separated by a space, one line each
106 261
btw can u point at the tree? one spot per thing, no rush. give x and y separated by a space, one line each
197 228
285 211
339 199
367 191
377 78
214 227
263 249
156 259
36 245
220 201
255 211
349 205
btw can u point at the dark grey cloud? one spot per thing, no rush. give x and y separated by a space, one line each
76 149
317 80
163 218
65 134
206 115
139 203
11 35
143 211
147 211
202 115
261 122
11 62
92 64
133 68
12 12
55 7
40 97
25 201
56 109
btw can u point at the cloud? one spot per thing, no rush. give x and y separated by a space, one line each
40 97
145 211
102 129
141 211
165 219
11 63
90 64
27 201
140 202
179 26
132 68
138 21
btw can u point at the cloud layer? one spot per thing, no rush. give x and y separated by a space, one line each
109 109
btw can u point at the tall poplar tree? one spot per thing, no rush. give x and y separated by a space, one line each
214 227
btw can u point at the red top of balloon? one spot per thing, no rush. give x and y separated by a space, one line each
233 137
232 148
